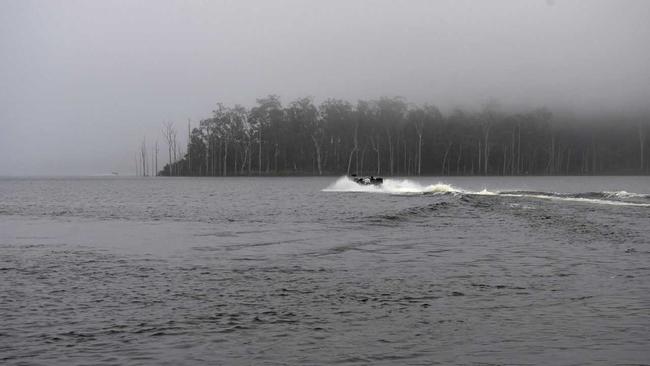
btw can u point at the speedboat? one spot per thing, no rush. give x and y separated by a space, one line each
367 181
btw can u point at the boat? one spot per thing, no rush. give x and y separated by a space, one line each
367 181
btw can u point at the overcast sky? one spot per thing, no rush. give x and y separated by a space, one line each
81 82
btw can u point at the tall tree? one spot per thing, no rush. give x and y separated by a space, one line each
169 133
391 115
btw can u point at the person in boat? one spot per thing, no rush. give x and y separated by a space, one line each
366 180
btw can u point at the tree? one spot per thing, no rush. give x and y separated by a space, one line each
391 115
307 124
266 118
169 133
156 160
390 136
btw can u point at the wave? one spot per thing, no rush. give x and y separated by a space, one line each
578 197
408 187
626 195
621 198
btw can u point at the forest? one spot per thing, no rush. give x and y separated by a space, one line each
391 137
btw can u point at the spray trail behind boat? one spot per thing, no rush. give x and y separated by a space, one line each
390 186
409 187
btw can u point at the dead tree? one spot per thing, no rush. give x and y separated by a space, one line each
137 165
355 149
169 133
174 149
375 147
189 152
156 153
143 156
419 128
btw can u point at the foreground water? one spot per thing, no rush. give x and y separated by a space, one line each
322 271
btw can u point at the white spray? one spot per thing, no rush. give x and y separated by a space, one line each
390 186
408 187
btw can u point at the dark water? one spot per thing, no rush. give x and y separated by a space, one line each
315 271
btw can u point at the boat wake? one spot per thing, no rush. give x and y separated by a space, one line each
619 198
390 186
408 187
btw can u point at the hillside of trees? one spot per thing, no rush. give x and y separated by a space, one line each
391 137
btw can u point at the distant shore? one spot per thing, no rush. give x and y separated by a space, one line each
392 137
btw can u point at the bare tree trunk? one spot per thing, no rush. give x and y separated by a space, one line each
460 155
174 152
250 154
235 160
419 127
276 155
225 158
406 167
318 155
207 156
244 160
350 159
390 151
153 161
480 158
216 158
189 155
143 156
355 148
551 157
505 159
268 163
419 153
444 159
356 163
512 152
157 150
213 163
375 146
259 144
335 157
169 133
180 155
487 148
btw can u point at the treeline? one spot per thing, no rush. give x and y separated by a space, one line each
392 137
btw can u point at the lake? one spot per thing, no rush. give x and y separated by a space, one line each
423 270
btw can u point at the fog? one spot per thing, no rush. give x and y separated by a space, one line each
82 82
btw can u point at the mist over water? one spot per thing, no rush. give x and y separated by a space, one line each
321 270
108 73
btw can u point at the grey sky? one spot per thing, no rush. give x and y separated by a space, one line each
81 82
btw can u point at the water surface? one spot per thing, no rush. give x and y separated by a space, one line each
322 271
